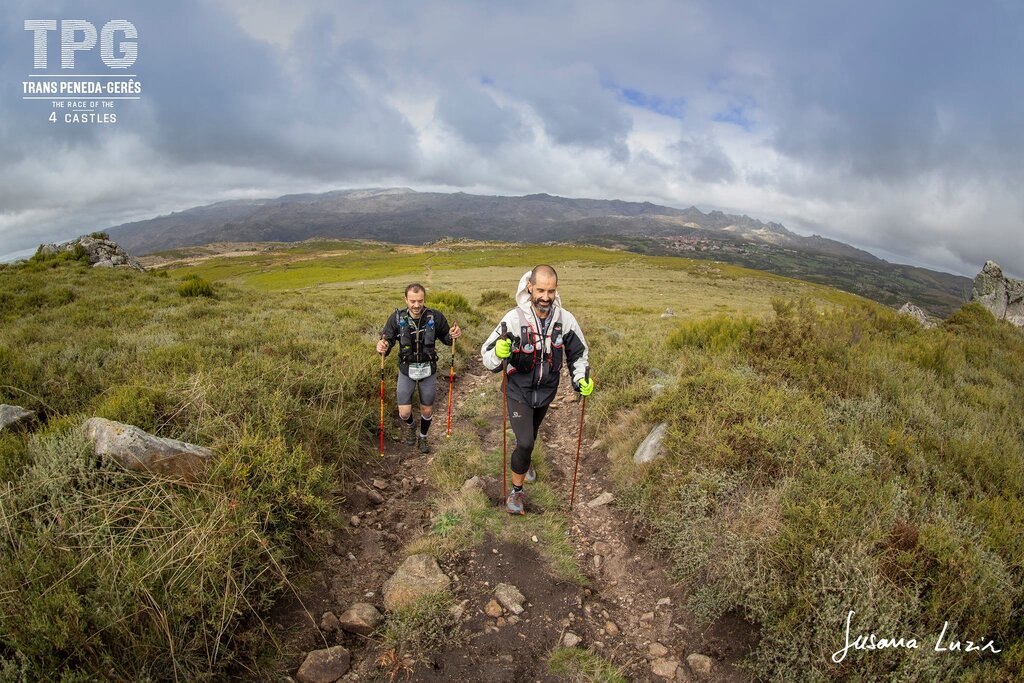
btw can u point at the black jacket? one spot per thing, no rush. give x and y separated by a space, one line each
416 339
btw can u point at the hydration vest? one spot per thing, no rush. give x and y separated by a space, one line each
416 338
539 353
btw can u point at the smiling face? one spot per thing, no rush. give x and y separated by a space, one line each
415 299
542 293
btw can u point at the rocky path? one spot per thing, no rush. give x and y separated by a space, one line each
628 612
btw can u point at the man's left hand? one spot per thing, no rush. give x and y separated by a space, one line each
456 332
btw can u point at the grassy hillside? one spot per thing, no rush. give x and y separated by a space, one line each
824 454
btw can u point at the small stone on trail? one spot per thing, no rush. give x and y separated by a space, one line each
324 666
666 668
513 620
417 576
534 539
474 484
329 622
597 561
647 617
657 650
509 597
700 665
665 601
611 629
501 621
374 497
459 610
493 609
602 499
570 639
380 484
602 548
362 618
354 520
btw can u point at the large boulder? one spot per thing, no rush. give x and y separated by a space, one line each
651 449
1002 295
140 451
12 415
415 578
101 252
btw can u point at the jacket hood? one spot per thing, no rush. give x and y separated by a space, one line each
523 296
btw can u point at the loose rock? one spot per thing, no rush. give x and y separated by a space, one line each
509 597
700 665
657 650
493 609
362 618
380 484
651 449
666 668
570 639
324 666
374 497
329 622
603 499
139 451
417 577
611 628
11 415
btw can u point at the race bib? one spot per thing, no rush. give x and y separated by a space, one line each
418 371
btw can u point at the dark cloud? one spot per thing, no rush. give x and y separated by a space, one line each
895 126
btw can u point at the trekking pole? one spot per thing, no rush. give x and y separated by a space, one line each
381 428
504 410
451 383
504 419
579 442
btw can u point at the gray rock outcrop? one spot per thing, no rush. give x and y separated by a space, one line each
651 449
917 313
102 253
1002 295
12 415
415 578
139 451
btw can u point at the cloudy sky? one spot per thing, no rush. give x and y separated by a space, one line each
894 126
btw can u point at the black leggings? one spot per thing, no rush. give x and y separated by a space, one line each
525 423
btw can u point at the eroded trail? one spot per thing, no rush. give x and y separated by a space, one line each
623 608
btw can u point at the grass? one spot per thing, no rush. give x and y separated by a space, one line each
413 632
822 461
577 665
824 453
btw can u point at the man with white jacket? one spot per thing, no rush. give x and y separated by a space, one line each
541 334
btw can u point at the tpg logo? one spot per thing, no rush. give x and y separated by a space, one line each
78 34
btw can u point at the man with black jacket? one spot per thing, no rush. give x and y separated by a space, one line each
545 334
416 329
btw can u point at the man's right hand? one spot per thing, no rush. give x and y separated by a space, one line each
382 346
503 348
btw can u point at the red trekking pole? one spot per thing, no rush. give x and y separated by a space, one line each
451 383
579 443
381 427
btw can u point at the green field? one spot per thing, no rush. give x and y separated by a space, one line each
824 453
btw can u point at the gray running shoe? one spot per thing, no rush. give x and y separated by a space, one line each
422 442
410 434
531 474
516 503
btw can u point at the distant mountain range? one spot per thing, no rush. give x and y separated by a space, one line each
406 216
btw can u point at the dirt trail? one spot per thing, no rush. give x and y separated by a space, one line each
631 614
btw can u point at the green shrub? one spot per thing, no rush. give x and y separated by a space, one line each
414 631
496 297
715 334
193 285
143 407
